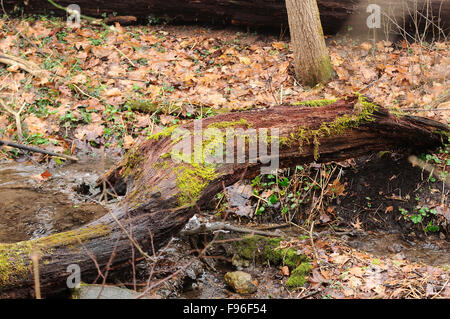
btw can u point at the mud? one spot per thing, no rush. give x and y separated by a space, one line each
377 188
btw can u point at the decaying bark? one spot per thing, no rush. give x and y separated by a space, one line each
162 195
262 13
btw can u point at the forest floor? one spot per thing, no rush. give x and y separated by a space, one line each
380 224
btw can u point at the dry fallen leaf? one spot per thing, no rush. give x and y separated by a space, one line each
113 92
356 271
366 46
354 282
357 224
46 175
279 45
89 132
128 142
389 209
40 178
35 125
245 60
285 271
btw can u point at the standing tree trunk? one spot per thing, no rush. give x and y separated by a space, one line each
312 62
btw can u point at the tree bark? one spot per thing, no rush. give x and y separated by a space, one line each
162 195
257 13
311 60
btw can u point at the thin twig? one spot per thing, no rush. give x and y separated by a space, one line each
37 285
129 60
37 150
312 242
25 65
143 253
217 226
90 19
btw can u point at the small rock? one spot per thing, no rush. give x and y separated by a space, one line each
442 236
193 223
241 282
194 270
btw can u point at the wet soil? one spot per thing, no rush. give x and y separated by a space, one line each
377 188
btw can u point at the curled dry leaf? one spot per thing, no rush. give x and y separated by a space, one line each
285 271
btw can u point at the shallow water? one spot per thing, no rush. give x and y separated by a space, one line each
31 207
430 251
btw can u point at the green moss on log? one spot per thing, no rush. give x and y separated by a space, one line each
165 133
132 160
226 124
192 180
14 262
316 103
143 106
263 249
15 259
363 113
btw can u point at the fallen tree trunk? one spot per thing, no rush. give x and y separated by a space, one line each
259 13
162 195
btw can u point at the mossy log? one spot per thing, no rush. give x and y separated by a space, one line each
162 195
255 13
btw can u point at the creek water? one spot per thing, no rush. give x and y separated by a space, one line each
430 251
33 207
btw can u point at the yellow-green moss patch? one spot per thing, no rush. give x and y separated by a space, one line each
132 159
443 134
144 106
264 249
316 103
14 262
192 180
15 258
165 133
363 113
298 275
255 246
72 237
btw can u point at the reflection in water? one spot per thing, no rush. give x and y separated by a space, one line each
31 208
